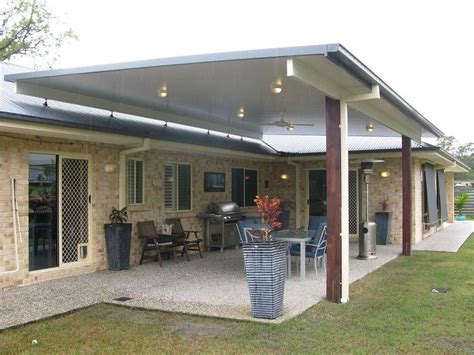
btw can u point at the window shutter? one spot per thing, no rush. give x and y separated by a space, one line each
131 182
443 206
184 187
430 190
138 181
170 195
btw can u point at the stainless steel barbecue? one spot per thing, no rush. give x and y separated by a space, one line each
221 224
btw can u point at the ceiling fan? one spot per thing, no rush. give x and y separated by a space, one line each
285 124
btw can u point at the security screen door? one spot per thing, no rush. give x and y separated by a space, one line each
74 210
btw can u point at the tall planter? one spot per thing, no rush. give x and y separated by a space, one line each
383 221
117 239
265 267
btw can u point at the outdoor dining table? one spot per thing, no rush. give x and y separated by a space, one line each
293 237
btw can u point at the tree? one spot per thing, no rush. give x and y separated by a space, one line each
463 152
28 28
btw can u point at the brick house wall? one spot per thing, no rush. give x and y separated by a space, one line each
14 150
380 189
449 182
104 191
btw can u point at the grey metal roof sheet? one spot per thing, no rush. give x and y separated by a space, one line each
317 144
31 109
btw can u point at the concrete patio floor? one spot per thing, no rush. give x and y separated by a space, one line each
449 239
214 286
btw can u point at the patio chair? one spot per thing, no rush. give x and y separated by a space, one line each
181 237
154 241
313 224
246 226
316 248
250 235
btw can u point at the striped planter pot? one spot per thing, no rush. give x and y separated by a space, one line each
265 267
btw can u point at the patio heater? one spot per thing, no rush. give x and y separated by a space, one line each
367 231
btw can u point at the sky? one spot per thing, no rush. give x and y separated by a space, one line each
422 49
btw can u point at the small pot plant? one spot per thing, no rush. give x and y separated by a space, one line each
459 204
265 262
118 235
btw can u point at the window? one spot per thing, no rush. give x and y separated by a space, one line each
177 187
244 186
135 181
429 178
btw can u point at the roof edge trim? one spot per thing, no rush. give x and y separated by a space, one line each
322 49
355 67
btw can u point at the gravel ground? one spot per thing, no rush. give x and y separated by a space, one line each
213 286
449 239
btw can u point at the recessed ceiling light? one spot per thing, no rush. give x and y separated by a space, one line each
163 92
370 127
241 113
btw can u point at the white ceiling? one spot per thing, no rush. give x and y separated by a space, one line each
208 95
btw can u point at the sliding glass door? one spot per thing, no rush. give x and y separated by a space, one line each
317 197
43 211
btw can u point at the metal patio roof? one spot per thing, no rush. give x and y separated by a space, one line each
30 109
206 90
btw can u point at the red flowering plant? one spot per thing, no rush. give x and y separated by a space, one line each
269 210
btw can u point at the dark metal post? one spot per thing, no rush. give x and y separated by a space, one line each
333 186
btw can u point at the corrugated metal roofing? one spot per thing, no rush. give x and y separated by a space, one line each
317 144
31 109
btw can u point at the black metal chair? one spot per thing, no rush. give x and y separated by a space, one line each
182 238
155 241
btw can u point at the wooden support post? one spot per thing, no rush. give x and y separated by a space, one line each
333 190
407 198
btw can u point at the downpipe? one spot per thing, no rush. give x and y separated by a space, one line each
16 229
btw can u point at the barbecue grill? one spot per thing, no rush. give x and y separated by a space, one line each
221 224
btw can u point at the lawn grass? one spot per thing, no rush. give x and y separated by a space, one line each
391 311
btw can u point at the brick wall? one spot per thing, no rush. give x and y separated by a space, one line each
104 190
449 181
14 164
380 189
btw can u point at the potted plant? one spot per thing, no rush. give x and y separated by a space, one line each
265 262
118 236
383 220
459 203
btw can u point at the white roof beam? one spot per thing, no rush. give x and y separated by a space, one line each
362 102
